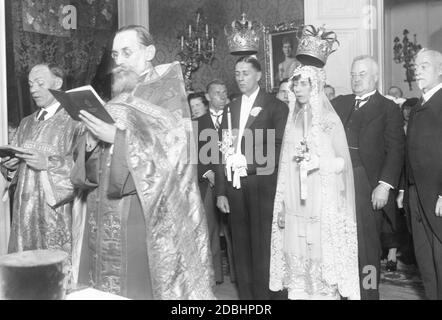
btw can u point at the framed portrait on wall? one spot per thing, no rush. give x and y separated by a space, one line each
280 44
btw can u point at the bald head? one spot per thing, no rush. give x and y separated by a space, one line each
428 72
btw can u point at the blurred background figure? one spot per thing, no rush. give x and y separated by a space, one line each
198 103
395 92
407 106
329 92
283 92
286 67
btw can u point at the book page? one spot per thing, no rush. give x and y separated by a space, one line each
88 88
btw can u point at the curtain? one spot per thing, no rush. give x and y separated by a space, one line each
35 34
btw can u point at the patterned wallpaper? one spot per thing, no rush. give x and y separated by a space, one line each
169 18
36 34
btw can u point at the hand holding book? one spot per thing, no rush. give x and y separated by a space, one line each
104 131
82 98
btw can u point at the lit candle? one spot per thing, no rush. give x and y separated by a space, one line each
182 43
197 18
305 121
213 44
199 45
207 31
229 121
190 31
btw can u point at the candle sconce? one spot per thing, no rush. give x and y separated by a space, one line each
406 52
197 45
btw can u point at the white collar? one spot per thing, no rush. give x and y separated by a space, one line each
216 113
363 97
427 96
51 110
252 96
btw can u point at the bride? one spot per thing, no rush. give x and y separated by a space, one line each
314 244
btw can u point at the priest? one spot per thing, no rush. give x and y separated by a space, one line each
145 234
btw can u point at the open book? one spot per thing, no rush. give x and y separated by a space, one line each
82 98
11 151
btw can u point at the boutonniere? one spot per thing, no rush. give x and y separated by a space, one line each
255 111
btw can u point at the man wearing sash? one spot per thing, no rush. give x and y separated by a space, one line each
145 234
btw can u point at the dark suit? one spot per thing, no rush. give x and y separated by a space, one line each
212 214
251 207
380 155
424 180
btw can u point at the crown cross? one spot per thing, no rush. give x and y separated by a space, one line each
243 36
315 45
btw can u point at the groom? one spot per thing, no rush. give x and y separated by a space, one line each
249 199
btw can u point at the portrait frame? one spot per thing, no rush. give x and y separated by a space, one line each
273 36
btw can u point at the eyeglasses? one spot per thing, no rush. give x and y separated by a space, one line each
358 75
126 53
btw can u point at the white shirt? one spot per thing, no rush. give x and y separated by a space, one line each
246 106
365 96
51 110
214 115
427 96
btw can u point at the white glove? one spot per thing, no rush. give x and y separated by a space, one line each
238 163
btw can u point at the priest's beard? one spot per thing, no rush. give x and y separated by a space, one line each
124 80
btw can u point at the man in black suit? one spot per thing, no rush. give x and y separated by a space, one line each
259 119
375 137
424 172
208 125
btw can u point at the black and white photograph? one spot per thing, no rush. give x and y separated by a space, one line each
220 151
281 52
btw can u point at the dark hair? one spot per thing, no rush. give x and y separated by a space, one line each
215 82
143 34
298 77
410 103
283 81
252 60
329 86
53 68
196 95
286 40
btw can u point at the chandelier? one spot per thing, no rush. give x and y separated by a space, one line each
197 46
405 52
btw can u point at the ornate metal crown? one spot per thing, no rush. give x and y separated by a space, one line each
243 36
315 45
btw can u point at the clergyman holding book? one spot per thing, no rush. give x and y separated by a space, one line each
145 234
40 170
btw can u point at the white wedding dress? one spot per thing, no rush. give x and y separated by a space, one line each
315 255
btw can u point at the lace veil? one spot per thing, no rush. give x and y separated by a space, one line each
338 216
